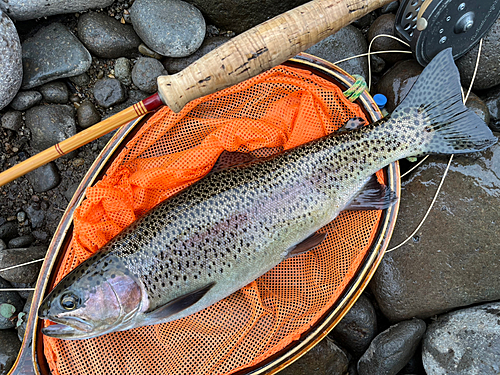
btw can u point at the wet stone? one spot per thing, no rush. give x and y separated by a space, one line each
12 120
55 92
392 7
391 350
23 241
347 42
81 80
452 261
53 53
50 124
87 114
8 231
106 37
27 273
169 27
145 73
123 71
175 65
378 64
323 359
8 350
25 100
397 82
357 328
475 104
464 342
109 92
12 298
35 216
44 178
10 60
492 102
385 25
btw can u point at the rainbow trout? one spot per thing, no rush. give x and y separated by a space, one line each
235 224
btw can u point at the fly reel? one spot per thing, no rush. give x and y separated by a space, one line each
430 26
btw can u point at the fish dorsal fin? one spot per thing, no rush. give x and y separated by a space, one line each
352 124
178 304
308 244
229 159
373 196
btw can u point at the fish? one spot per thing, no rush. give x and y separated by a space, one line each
239 221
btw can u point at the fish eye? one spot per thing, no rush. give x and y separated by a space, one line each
69 301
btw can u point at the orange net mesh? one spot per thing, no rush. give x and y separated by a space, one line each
276 110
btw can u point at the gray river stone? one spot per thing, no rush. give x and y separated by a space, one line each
26 10
12 120
452 261
8 231
464 342
22 241
108 92
488 73
347 42
53 53
391 350
87 114
475 104
240 15
8 350
27 273
145 73
325 358
25 100
106 37
492 101
123 71
50 124
10 60
169 27
385 25
55 92
12 298
357 328
44 178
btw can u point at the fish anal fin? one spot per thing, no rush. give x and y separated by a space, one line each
229 159
308 244
178 304
373 196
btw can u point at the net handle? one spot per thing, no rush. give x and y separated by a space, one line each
260 48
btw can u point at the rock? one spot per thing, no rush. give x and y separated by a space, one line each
385 25
392 7
169 27
145 72
123 71
134 96
23 241
23 293
44 178
453 260
8 231
27 10
392 349
53 53
87 114
55 92
27 273
488 74
2 245
397 82
464 342
106 37
35 216
68 194
108 92
50 124
12 298
492 102
175 65
12 120
80 80
324 359
357 328
241 15
148 52
25 100
21 330
475 104
378 64
8 350
347 42
10 60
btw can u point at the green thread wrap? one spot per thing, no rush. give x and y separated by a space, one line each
355 91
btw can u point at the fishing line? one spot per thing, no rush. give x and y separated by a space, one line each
17 290
449 161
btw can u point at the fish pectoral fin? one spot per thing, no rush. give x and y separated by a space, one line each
373 196
178 304
308 244
352 124
229 159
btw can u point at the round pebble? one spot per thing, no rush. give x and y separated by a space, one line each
44 178
123 71
55 92
12 120
145 73
25 100
8 231
81 79
10 60
23 241
87 114
108 92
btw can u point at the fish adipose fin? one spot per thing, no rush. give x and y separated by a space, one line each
309 243
434 115
178 304
373 196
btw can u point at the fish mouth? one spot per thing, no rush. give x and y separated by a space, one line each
66 328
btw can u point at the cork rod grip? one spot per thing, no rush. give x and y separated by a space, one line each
260 48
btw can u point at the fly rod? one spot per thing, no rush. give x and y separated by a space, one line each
244 56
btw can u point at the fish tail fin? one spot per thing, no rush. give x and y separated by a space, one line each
434 115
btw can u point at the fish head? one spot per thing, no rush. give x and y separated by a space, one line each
91 303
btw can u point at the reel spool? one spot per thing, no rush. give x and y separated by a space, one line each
430 26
